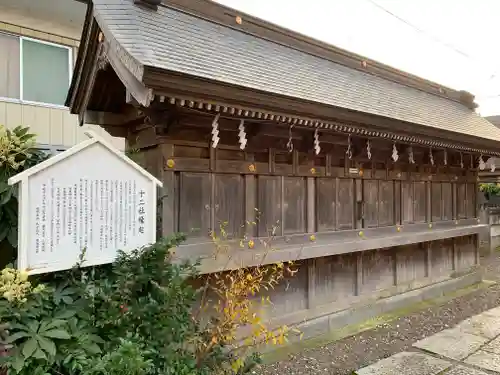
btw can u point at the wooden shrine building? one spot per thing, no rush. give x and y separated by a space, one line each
368 174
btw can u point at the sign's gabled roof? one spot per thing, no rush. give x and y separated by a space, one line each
93 138
176 41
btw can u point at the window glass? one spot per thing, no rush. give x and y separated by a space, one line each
9 66
45 72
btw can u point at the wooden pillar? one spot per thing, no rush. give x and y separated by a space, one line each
311 209
428 202
311 283
477 244
250 202
213 205
311 228
359 204
455 254
328 165
428 259
359 273
454 200
272 158
337 203
169 192
394 258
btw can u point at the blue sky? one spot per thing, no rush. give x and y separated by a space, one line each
454 43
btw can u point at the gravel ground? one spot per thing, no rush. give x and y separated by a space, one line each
344 356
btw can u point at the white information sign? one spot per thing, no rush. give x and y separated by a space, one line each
90 197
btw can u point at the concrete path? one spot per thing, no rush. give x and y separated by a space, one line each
470 348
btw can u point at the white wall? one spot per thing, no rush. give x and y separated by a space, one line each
57 21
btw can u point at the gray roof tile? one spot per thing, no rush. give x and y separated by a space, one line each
172 40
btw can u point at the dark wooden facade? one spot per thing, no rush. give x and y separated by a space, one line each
361 223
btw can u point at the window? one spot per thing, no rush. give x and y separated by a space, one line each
34 71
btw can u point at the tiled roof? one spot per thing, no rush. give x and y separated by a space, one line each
172 40
495 120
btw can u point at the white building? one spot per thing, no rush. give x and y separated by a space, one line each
39 42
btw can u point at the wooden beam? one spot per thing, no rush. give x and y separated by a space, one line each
89 84
135 88
106 118
229 95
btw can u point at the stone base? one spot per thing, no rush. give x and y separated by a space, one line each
361 313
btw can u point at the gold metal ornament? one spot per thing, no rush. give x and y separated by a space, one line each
170 163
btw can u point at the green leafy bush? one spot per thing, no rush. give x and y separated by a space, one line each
490 189
131 317
48 330
17 153
128 358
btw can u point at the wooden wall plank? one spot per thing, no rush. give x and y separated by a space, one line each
386 203
251 213
269 201
447 197
436 201
291 294
410 263
471 200
420 201
335 278
345 203
407 198
294 205
195 203
371 203
378 270
229 204
461 200
326 203
466 252
442 263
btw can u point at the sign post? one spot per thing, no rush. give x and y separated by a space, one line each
89 198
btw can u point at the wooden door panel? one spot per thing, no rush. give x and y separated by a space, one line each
229 204
194 204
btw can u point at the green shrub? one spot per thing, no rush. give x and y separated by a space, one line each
490 189
17 153
131 317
